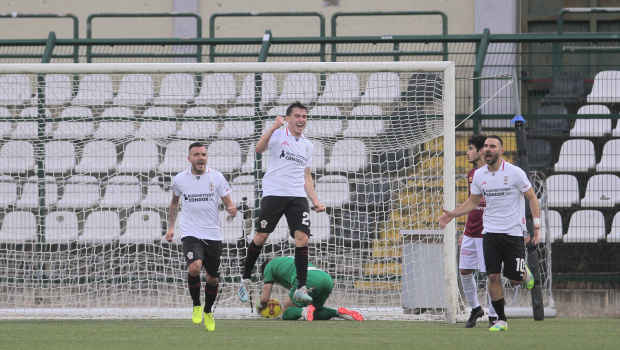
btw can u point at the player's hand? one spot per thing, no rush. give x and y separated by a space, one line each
169 235
445 218
536 237
259 306
318 207
232 211
461 240
278 123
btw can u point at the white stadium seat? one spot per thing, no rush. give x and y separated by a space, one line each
8 191
218 88
562 190
81 192
14 89
175 157
115 129
602 191
300 87
318 158
555 227
614 235
101 227
586 226
158 194
591 127
143 227
61 227
30 193
347 155
19 227
231 230
610 161
241 190
341 88
94 90
16 157
58 90
59 157
97 157
159 128
224 156
238 129
269 89
319 227
364 128
576 156
248 166
29 129
382 88
317 127
68 129
333 190
606 87
139 157
199 129
176 89
135 90
277 111
5 126
121 192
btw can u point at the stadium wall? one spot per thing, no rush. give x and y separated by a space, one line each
587 303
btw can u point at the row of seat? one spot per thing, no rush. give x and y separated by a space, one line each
602 190
142 227
219 88
579 156
586 226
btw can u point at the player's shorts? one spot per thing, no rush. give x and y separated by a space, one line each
319 284
472 254
295 209
500 247
210 252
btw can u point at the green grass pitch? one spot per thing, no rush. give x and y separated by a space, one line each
318 335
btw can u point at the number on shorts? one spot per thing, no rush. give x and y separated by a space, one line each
306 219
520 264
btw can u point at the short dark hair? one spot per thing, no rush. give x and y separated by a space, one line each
295 104
501 143
477 141
263 267
196 144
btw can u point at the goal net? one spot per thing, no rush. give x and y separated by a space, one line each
88 152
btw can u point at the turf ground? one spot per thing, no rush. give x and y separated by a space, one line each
321 335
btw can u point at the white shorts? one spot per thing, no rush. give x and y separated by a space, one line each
472 256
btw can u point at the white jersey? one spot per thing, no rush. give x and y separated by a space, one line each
503 192
200 196
289 156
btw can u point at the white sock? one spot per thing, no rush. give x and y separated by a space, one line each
492 312
471 292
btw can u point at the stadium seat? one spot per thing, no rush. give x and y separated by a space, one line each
320 227
16 157
218 88
606 87
68 129
277 111
135 90
59 157
139 157
268 123
381 88
224 156
364 128
586 226
30 193
602 191
407 122
616 131
14 89
555 227
158 128
317 127
614 235
333 190
6 129
424 87
94 90
367 110
550 127
347 155
198 129
269 89
318 157
248 166
539 155
562 191
567 87
231 230
576 156
143 227
29 129
97 157
390 161
81 192
300 87
158 194
8 191
176 89
340 88
591 127
175 157
373 195
19 227
101 227
61 227
115 129
354 225
238 128
610 161
58 90
121 192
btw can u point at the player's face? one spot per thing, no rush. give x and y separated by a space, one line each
297 121
198 158
473 155
492 151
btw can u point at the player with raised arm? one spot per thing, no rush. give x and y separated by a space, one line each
200 188
282 271
504 187
285 186
472 257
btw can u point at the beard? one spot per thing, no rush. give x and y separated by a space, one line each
494 158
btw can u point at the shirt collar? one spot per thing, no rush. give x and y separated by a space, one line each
501 166
288 133
189 170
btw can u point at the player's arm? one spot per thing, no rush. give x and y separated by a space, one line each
530 195
230 207
173 212
265 296
309 187
263 143
470 204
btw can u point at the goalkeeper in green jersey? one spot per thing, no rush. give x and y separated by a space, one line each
319 283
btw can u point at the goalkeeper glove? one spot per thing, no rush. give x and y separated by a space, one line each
260 306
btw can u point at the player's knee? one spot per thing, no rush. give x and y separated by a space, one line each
495 278
301 239
194 268
466 272
260 238
212 280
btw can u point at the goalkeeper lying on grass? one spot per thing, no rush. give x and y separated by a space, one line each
319 283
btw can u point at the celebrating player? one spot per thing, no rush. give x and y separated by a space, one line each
285 185
200 226
472 256
282 271
503 186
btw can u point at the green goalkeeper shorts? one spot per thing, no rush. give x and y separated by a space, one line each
320 286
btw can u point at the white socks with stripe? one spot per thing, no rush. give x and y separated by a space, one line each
471 290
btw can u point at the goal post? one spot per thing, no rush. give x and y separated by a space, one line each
86 171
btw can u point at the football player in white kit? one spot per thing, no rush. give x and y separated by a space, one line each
199 189
285 186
